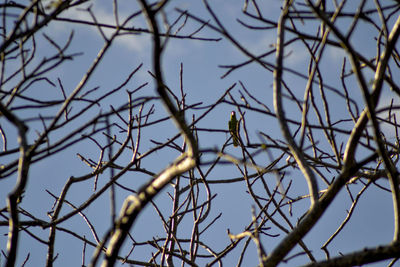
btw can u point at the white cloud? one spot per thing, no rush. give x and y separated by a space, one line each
336 54
296 54
133 42
385 101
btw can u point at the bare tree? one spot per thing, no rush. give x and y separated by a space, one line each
106 162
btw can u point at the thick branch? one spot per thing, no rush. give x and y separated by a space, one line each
278 72
133 205
16 193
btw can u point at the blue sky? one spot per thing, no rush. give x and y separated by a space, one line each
372 223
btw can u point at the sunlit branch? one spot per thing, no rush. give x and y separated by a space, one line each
278 72
133 205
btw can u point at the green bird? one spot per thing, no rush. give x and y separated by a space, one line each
233 129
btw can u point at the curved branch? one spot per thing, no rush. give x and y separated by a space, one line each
280 114
371 101
16 194
133 205
305 225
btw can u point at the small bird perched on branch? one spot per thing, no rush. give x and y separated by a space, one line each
233 129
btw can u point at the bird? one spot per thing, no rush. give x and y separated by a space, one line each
233 129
